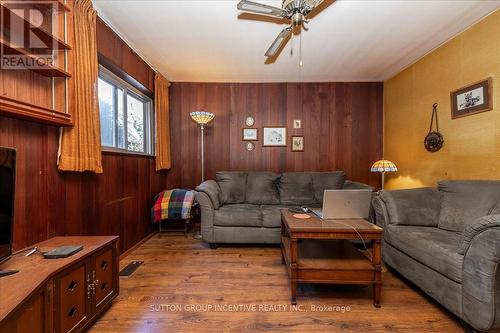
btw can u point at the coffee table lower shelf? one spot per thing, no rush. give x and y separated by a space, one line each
330 262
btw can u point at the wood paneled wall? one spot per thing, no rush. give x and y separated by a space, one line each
111 46
50 203
341 125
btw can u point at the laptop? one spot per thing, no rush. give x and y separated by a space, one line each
345 204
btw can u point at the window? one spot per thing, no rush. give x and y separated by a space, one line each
126 116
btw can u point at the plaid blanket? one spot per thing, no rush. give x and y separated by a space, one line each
172 204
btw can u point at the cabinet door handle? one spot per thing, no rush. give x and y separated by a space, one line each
72 286
104 264
96 284
72 312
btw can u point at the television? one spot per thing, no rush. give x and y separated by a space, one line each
7 184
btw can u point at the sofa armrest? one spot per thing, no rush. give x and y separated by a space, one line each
381 216
207 216
212 189
481 275
472 230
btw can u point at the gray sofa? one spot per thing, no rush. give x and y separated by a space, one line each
446 240
244 207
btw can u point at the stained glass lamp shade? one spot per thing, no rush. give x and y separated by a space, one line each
202 117
384 166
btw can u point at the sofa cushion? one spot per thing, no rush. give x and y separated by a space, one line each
327 181
271 215
418 206
262 188
232 185
296 188
464 201
243 215
433 247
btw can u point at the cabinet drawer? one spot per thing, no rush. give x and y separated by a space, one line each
72 298
104 285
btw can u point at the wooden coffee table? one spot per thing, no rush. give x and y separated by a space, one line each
317 250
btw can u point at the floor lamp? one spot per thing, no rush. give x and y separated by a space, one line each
383 166
202 118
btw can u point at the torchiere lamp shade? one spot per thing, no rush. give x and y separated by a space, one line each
202 117
384 166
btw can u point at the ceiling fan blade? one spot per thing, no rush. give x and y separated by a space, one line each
313 3
259 8
319 7
278 42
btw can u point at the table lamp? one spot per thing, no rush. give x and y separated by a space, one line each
383 166
202 118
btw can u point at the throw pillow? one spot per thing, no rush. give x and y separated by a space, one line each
464 201
262 188
232 185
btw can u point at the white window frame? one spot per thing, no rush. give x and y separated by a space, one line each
149 114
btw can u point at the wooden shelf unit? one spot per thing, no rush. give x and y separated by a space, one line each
45 70
23 110
45 36
60 5
56 95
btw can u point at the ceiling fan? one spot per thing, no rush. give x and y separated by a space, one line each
294 10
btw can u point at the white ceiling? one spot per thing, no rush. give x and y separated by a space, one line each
351 40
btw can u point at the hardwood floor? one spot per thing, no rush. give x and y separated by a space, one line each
180 272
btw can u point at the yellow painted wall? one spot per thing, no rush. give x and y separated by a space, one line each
472 144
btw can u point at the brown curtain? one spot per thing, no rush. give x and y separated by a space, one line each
163 159
80 146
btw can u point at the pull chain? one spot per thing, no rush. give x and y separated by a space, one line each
300 50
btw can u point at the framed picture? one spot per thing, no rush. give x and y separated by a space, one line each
474 98
297 123
297 143
274 136
250 134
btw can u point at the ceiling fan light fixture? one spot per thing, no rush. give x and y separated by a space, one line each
297 19
294 10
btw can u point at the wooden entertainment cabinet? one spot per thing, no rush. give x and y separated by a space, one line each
59 295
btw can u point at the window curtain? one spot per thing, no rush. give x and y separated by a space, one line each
80 145
163 158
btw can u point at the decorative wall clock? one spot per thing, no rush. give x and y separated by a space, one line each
434 140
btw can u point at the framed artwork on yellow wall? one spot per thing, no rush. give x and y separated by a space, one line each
472 99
